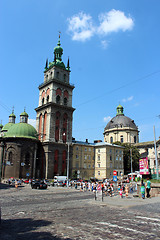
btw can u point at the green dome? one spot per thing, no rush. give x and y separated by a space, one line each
24 114
12 115
22 130
7 126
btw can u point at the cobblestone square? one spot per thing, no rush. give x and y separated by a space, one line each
61 213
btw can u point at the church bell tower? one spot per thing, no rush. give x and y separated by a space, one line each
55 113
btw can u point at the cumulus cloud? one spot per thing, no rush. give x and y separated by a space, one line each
114 21
81 26
107 119
127 99
32 122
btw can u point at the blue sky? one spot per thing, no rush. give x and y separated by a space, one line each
114 52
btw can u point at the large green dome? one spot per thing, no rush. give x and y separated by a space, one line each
22 130
6 127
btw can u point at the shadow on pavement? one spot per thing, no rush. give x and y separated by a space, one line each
24 229
7 186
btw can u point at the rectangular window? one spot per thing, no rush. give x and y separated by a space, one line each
85 157
99 150
110 157
89 149
77 148
76 156
77 165
99 165
85 149
98 157
98 172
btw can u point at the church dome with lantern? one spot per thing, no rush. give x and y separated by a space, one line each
121 129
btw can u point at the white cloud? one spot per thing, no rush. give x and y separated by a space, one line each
32 122
81 25
127 99
107 119
114 21
104 44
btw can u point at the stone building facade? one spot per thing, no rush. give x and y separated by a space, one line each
108 158
83 160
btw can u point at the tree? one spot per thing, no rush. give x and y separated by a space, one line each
128 152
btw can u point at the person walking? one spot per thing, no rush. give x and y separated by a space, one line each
126 190
143 190
148 187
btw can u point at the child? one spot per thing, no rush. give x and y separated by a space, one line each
121 193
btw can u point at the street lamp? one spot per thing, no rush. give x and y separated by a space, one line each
68 143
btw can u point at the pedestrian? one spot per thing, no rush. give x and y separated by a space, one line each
126 190
143 190
16 183
121 193
148 187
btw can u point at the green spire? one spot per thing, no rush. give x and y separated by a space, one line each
58 50
120 110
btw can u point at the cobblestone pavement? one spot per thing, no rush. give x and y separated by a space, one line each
61 213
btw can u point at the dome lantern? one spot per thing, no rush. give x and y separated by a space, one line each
120 110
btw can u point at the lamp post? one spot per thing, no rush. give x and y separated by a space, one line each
68 165
155 153
1 161
68 143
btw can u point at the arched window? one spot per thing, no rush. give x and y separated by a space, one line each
56 158
10 157
111 140
57 125
48 93
65 101
64 157
40 126
58 99
27 159
44 126
65 97
121 138
58 95
43 96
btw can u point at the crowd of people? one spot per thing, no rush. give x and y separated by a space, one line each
109 188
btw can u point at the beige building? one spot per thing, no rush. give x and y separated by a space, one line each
83 162
147 149
121 129
108 157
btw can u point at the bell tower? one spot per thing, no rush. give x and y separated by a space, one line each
55 113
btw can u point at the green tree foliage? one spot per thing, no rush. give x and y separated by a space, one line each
128 152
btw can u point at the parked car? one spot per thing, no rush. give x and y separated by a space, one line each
38 184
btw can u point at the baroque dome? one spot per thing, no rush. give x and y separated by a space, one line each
22 130
121 121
